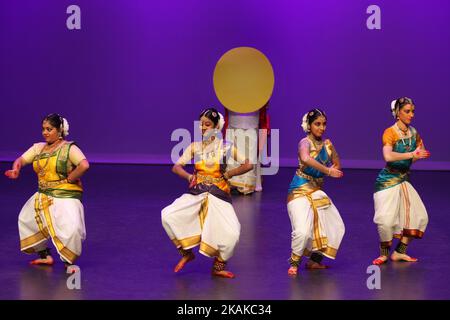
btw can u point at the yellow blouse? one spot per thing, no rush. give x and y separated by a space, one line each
210 161
53 168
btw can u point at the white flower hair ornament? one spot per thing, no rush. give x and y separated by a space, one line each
65 127
305 124
221 122
393 111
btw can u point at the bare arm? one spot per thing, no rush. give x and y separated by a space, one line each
420 147
335 159
179 170
243 168
310 162
16 167
390 156
79 171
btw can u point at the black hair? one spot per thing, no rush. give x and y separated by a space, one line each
401 102
314 114
56 121
212 114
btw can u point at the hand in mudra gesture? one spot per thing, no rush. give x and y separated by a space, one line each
334 172
421 154
12 174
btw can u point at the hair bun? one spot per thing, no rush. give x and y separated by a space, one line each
305 125
393 111
221 122
65 127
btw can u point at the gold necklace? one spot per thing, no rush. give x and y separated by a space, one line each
41 169
405 133
313 140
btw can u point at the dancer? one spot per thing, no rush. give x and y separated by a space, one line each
399 211
204 215
54 212
317 227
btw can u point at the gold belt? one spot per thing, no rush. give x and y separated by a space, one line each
308 177
208 179
50 184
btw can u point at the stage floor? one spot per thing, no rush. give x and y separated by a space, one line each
127 254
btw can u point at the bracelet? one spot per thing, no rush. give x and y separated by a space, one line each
329 171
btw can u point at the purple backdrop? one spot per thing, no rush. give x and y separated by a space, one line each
137 70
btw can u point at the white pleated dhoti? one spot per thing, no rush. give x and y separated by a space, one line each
204 220
399 211
60 219
316 225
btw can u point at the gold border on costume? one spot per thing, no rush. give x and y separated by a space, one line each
54 212
316 223
204 216
399 210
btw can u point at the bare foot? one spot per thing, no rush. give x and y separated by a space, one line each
395 256
47 261
223 274
293 271
71 268
185 259
380 260
314 265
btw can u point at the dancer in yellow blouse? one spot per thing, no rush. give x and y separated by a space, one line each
54 212
204 215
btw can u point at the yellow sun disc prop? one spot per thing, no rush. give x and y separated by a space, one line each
243 80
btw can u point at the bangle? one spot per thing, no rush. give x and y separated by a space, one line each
329 171
225 176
